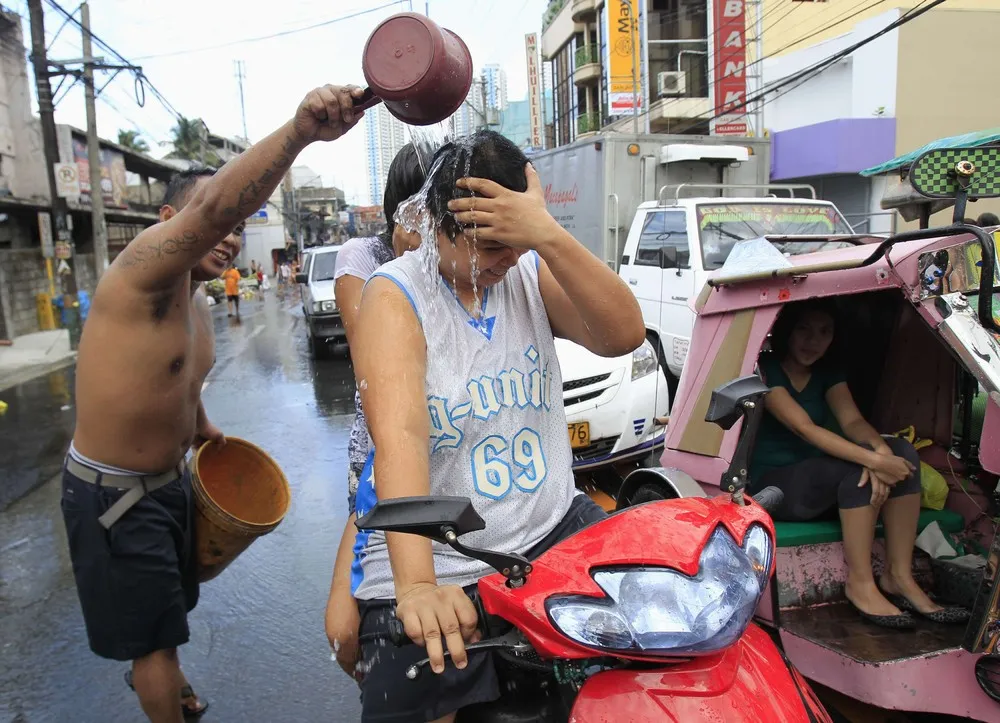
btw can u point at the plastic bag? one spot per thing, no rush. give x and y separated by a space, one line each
933 486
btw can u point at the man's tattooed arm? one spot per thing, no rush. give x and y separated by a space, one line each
164 252
144 254
245 201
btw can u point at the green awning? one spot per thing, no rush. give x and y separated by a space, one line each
970 140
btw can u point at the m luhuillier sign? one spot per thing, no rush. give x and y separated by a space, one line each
534 90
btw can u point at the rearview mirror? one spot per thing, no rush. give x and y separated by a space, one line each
668 257
425 516
729 401
301 278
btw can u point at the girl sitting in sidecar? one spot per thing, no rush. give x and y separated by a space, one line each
854 470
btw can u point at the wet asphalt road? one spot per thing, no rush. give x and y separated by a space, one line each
257 650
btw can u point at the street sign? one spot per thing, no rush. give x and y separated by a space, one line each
67 180
260 217
45 234
534 94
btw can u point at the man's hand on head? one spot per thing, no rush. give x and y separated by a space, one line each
327 113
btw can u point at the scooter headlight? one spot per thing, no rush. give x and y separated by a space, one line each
655 611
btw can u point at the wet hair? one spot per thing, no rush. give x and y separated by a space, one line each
987 219
790 316
486 154
404 179
181 185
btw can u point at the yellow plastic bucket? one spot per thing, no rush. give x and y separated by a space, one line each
240 494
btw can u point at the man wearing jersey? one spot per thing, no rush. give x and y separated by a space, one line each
463 396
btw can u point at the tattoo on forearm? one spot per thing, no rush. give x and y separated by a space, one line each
245 201
145 254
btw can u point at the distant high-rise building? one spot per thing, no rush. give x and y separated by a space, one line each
469 116
385 135
496 87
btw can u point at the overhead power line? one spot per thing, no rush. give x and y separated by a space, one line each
757 64
271 36
142 80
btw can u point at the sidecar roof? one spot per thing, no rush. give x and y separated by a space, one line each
965 140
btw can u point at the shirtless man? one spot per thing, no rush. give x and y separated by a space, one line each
144 355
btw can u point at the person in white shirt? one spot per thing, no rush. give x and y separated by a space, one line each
463 396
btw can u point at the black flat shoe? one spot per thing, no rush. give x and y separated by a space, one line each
949 615
903 621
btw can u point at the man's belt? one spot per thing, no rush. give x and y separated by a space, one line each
136 486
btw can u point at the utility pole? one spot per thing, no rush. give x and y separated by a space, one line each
100 230
40 62
240 75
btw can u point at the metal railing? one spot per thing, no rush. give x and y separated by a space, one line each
768 188
587 54
551 12
588 123
862 222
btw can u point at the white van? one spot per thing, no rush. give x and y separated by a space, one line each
673 246
319 303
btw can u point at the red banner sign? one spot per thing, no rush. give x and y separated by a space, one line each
730 61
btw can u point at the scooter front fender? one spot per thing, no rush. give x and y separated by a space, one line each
750 681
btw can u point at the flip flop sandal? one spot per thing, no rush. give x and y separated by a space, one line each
904 621
950 615
186 692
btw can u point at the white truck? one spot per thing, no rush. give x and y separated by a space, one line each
594 186
665 210
675 244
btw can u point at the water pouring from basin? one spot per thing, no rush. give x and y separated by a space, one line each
421 71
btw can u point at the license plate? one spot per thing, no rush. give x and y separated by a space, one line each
579 434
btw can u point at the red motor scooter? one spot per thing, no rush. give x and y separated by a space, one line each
643 616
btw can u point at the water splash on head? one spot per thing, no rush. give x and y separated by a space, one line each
486 155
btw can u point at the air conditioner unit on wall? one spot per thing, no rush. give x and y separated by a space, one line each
671 84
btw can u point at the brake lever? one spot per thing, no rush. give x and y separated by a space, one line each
511 640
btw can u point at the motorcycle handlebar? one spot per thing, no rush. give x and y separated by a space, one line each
398 636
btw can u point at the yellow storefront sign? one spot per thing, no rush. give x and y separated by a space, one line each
624 81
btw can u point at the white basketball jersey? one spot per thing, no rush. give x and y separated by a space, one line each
498 429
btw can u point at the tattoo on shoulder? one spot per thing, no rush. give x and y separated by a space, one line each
142 255
245 201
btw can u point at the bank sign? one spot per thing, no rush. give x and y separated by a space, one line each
730 82
624 71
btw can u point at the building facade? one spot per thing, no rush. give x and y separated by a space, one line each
515 122
582 43
888 98
385 135
470 114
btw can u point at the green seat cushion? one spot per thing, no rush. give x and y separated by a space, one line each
791 534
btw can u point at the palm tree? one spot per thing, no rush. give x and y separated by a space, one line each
133 141
189 143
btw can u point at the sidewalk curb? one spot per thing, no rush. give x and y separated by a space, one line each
20 376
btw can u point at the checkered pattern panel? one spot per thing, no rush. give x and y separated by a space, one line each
933 174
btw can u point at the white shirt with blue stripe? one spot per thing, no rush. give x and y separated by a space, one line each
498 429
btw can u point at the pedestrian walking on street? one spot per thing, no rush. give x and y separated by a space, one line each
232 279
145 352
